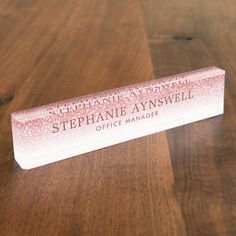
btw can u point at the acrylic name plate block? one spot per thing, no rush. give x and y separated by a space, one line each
56 131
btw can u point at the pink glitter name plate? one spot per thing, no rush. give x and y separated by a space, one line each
68 128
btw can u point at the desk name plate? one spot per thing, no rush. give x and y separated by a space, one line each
60 130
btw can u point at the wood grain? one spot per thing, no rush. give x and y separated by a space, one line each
180 182
61 50
182 37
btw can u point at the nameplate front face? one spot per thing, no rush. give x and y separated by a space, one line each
56 131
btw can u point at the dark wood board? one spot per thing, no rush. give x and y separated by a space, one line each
178 182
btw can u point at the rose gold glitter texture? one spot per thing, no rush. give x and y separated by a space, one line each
71 127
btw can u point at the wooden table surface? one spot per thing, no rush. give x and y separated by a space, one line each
179 182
